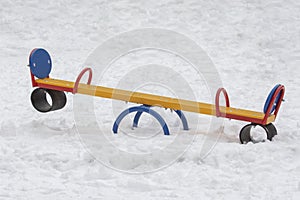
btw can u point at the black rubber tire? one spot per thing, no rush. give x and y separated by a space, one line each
245 133
272 130
40 103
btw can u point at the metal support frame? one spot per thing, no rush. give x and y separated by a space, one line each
178 112
141 109
217 102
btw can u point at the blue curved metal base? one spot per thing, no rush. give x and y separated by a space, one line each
141 109
178 112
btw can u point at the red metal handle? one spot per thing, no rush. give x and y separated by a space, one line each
80 76
280 90
217 101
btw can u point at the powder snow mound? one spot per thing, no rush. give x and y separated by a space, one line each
254 45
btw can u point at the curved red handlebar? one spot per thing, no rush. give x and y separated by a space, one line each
80 76
217 102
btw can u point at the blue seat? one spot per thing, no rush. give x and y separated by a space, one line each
40 63
268 101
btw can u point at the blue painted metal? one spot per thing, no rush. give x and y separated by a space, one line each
137 117
183 119
269 99
141 109
40 63
178 112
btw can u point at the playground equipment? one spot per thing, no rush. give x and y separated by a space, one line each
40 67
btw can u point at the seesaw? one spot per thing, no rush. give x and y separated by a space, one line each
40 67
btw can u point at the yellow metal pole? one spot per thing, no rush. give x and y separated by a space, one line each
153 100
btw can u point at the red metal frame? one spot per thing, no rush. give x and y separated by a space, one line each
80 76
65 89
243 118
217 102
33 82
52 87
280 90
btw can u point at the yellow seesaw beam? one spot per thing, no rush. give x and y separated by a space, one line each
155 100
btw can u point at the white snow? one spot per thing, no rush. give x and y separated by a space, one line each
253 44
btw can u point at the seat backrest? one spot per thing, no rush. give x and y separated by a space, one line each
40 63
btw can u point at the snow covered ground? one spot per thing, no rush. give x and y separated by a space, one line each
253 44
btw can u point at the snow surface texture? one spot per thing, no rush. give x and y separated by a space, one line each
253 44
